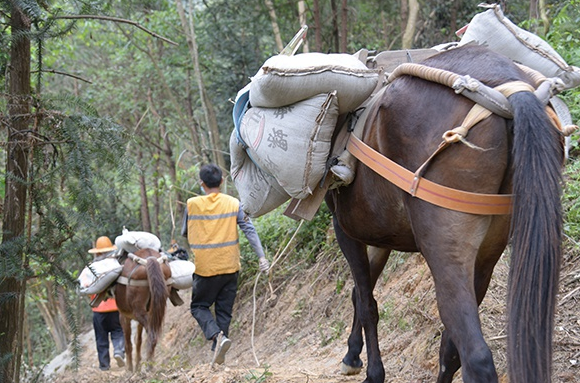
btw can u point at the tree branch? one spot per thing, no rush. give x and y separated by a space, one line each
64 74
117 20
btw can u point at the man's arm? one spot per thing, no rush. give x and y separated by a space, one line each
184 224
249 230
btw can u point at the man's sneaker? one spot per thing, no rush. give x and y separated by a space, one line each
120 360
223 345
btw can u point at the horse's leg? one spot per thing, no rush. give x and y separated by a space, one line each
366 306
351 363
488 255
126 325
451 254
138 347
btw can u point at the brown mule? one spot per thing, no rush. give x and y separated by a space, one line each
522 157
141 293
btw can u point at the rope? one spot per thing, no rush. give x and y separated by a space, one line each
274 261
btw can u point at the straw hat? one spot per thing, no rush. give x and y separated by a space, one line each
103 245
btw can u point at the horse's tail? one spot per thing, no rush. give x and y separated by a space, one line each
157 304
536 241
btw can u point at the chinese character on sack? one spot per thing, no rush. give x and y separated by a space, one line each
277 139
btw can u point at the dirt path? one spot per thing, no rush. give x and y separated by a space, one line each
300 332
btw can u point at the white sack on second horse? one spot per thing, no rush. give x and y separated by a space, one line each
131 241
292 142
181 270
99 275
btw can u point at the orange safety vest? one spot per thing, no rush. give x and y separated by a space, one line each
212 233
106 306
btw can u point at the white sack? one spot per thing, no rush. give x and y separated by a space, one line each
131 241
182 274
292 143
493 29
259 192
285 80
103 274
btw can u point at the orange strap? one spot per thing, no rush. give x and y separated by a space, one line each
467 202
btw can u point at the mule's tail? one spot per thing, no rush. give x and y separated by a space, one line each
536 241
157 305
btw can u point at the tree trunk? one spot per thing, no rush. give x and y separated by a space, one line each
317 26
51 314
534 15
343 27
544 17
303 21
407 40
335 25
275 28
216 148
145 218
13 288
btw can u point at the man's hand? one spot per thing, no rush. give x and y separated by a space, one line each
264 264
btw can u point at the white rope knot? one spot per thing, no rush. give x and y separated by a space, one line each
455 135
466 82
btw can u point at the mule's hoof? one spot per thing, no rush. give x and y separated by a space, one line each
349 370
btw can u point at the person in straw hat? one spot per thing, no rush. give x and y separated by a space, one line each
106 316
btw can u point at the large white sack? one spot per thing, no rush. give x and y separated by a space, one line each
259 192
131 241
292 143
285 80
182 273
493 29
99 275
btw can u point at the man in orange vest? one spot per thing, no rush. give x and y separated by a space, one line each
106 316
210 225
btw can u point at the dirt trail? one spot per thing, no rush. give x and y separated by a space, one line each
300 332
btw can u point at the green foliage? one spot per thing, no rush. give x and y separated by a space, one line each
276 230
332 332
258 376
564 37
571 201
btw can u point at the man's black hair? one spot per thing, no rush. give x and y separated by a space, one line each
211 175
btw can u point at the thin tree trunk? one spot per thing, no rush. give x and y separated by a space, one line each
317 26
51 317
335 25
407 40
209 112
275 28
145 218
534 15
544 17
12 288
157 193
303 21
344 27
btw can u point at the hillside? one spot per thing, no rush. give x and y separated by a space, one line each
302 323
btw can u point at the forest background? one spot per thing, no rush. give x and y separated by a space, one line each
108 108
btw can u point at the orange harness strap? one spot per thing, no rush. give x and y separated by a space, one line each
467 202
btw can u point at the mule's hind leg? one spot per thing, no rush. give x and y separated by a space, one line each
366 306
451 251
138 348
126 325
351 363
489 253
